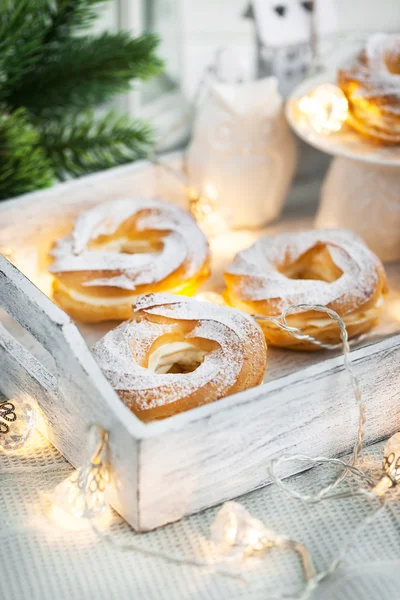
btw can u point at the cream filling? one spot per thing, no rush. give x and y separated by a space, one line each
100 301
175 353
298 321
352 318
94 300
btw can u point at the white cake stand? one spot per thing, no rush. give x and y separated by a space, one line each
361 190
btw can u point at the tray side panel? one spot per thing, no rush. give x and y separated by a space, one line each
72 398
225 454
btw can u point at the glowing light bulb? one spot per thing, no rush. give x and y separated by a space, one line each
212 297
390 465
325 108
236 532
82 494
207 212
17 422
7 252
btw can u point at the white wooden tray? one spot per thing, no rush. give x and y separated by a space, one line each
167 469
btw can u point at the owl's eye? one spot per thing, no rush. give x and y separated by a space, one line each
280 9
308 6
223 134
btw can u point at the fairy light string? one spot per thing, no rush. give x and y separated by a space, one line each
174 559
315 581
378 490
259 541
298 334
83 494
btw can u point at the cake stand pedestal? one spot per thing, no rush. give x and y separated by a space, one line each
361 190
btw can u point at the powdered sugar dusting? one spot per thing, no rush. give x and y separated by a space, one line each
371 69
183 243
121 351
261 280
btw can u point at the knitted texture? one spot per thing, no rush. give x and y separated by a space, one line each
40 558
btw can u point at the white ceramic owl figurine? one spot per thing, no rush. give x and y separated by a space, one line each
242 155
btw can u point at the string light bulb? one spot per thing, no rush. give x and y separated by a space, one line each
390 466
326 108
82 494
6 252
236 531
17 422
207 212
237 534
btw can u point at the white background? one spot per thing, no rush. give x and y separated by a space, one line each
208 24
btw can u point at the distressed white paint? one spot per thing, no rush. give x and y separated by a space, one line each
167 469
78 396
224 452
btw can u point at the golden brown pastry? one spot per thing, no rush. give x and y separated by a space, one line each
124 248
333 268
176 353
371 83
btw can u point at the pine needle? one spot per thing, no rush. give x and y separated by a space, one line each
52 75
67 17
81 143
24 166
87 71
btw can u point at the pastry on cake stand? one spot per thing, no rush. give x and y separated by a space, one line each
361 190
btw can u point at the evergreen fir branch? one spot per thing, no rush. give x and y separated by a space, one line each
31 30
24 166
48 75
69 16
81 143
87 71
15 17
22 27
